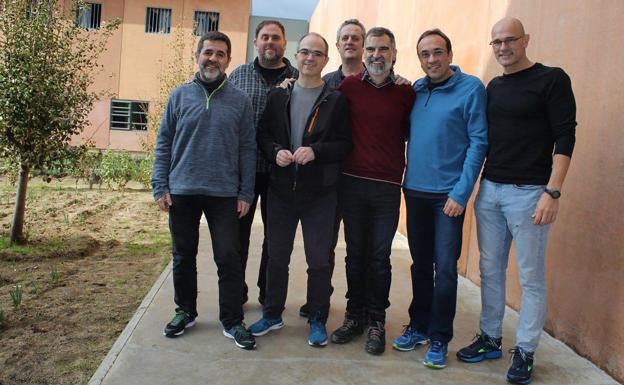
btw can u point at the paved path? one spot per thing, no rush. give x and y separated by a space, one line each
142 356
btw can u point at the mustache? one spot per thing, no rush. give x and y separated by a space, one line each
371 59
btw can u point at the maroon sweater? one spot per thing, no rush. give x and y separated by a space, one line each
380 121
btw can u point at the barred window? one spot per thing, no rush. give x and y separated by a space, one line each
128 115
205 22
89 15
158 20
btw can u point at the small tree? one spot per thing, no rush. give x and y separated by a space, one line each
47 64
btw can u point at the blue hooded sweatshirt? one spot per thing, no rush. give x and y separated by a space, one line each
448 137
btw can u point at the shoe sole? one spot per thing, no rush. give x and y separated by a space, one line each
485 356
513 380
174 335
339 341
321 344
395 346
228 335
265 331
434 365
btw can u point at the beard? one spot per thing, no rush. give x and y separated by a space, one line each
270 61
211 71
375 70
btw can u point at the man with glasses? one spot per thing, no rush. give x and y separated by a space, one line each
305 130
256 78
370 187
447 145
532 120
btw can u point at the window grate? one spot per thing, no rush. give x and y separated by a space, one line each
128 115
205 22
89 15
158 20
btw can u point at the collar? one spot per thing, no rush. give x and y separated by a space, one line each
389 80
423 83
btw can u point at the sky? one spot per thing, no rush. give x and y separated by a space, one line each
288 9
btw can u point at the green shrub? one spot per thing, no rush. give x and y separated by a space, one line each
117 169
144 170
16 296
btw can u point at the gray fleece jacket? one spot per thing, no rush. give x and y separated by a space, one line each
206 144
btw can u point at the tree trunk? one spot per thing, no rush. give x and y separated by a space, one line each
17 235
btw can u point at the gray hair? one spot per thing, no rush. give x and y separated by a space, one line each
351 22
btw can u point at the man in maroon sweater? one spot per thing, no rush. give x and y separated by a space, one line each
369 193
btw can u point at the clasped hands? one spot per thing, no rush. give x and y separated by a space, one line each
302 156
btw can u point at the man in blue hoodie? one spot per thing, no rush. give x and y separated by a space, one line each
205 163
447 146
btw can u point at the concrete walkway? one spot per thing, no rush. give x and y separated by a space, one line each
203 355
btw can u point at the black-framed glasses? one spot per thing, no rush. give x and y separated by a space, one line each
509 41
315 54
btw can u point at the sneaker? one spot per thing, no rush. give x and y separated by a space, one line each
376 339
483 347
318 334
409 339
181 321
521 366
241 336
304 311
436 355
349 330
265 325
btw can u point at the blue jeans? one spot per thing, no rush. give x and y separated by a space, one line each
370 214
435 241
503 213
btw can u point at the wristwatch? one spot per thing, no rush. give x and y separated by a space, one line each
555 194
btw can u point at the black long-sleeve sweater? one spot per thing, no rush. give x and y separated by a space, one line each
530 112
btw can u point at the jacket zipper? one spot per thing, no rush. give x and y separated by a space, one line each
208 97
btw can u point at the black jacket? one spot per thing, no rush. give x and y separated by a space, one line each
328 133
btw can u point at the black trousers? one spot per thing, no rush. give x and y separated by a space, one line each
317 218
261 188
221 214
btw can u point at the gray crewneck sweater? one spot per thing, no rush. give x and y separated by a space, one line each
206 144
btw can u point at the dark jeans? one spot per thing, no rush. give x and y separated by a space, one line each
222 217
332 251
370 214
435 241
317 224
261 188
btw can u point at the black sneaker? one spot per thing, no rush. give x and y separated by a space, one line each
376 339
483 347
241 336
521 366
304 311
181 321
349 330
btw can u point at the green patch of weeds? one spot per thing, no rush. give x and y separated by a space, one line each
55 275
36 288
16 296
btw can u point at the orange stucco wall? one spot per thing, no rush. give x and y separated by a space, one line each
585 262
134 59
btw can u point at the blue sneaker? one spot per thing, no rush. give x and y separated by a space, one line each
436 355
265 325
409 339
318 334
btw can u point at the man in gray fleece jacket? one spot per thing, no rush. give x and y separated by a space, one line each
205 162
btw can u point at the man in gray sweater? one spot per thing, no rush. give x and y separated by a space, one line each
205 162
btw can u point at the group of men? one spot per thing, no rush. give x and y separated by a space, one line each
321 150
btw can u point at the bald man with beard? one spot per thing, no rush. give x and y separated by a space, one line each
531 120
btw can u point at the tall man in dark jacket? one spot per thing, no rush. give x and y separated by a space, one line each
204 162
256 79
306 131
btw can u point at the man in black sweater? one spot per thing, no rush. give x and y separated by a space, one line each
305 132
531 119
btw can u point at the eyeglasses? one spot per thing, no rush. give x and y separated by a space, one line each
315 54
436 53
509 41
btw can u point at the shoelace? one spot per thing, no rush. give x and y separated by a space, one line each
348 323
179 318
241 330
436 346
522 357
374 332
407 329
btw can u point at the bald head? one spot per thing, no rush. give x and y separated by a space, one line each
510 25
509 43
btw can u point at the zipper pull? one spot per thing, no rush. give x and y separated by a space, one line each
294 184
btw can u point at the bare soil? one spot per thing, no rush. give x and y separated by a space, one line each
91 257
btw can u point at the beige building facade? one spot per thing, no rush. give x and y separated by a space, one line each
140 49
585 260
